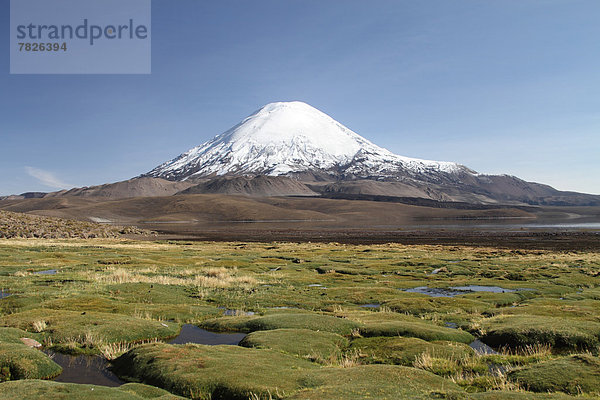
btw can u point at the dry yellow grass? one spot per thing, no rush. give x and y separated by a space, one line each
206 278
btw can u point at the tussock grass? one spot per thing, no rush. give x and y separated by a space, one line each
111 351
39 325
209 278
75 332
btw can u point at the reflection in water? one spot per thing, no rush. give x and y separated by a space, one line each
95 369
84 369
458 290
477 288
237 313
192 334
46 272
4 294
435 292
482 348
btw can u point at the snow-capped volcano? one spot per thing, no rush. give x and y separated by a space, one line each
288 138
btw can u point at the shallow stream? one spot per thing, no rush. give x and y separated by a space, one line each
96 370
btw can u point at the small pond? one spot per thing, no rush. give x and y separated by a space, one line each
95 369
84 369
458 290
192 334
46 272
373 305
477 288
434 292
232 312
4 294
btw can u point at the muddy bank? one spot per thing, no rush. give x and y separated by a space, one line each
561 240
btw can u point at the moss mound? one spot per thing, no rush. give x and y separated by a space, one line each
230 372
572 375
420 330
299 342
84 332
315 322
37 389
17 361
403 350
379 382
14 335
215 372
422 304
146 391
561 333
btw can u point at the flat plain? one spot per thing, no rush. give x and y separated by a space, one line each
323 320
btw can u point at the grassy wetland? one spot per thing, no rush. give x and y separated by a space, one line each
323 320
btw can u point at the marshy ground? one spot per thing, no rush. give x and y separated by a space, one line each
322 320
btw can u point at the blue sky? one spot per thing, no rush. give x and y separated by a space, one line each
509 86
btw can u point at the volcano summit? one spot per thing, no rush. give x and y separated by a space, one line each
291 138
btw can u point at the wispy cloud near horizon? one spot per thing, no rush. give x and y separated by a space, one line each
47 178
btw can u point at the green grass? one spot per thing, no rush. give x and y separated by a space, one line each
14 335
36 389
215 372
524 330
304 343
312 321
573 375
420 330
18 361
379 382
75 332
404 350
229 372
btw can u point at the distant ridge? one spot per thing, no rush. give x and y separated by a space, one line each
137 187
252 186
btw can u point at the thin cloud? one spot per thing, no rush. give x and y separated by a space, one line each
47 178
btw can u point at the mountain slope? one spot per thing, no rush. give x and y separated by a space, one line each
137 187
262 186
288 138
